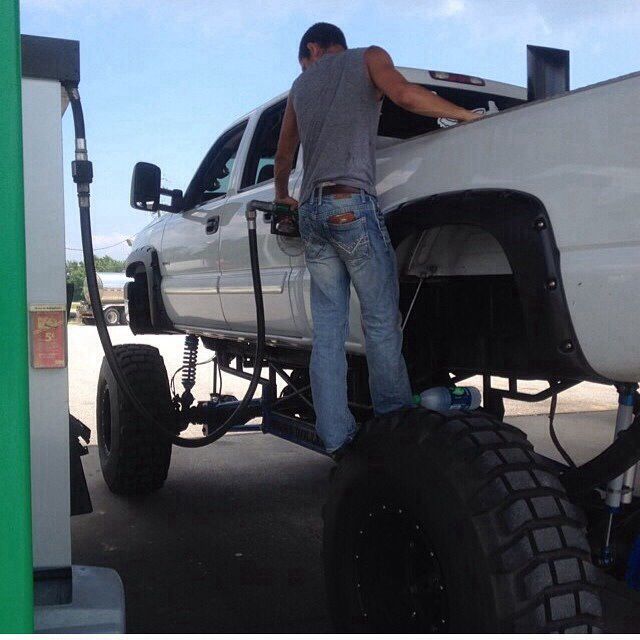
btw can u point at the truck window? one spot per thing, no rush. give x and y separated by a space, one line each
395 122
212 177
261 157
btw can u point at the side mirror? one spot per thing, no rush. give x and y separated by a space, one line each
145 187
146 190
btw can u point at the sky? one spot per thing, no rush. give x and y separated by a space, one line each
161 79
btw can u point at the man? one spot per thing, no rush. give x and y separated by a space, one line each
333 110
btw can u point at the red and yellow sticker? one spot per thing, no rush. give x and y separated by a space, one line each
48 336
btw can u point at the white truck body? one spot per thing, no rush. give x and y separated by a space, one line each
577 153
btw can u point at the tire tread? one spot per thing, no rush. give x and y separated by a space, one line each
553 530
144 459
533 536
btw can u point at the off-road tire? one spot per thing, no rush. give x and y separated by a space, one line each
482 516
111 316
134 459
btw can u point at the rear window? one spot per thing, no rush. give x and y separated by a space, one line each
396 122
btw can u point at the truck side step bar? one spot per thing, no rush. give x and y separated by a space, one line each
293 430
277 424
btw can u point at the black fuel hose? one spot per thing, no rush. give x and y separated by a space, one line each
83 175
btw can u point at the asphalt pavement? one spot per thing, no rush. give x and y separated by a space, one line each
231 543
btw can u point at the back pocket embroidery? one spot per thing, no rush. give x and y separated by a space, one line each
349 237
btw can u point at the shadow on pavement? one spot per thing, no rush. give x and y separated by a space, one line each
232 543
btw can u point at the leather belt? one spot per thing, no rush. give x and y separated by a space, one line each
337 190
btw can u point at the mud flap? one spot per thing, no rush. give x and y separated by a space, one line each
79 492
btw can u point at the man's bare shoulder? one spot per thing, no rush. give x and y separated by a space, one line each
374 53
378 61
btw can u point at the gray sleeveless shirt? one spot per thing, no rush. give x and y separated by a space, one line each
337 109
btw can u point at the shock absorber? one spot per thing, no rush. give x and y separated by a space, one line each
620 489
189 361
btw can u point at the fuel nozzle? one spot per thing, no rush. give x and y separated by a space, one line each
268 207
283 209
257 205
283 219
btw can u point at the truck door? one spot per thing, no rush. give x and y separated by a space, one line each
300 291
191 240
236 288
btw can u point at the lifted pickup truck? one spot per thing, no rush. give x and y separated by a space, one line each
518 246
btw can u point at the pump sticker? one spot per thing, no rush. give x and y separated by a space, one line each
48 324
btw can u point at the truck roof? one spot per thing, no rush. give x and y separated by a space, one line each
428 76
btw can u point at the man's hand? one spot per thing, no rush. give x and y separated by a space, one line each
289 201
472 115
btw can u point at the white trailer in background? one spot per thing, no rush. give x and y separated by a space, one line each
111 285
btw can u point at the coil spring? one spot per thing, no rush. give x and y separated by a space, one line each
189 360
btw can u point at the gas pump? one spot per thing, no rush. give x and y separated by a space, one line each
66 598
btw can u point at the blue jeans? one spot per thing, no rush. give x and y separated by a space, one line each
353 247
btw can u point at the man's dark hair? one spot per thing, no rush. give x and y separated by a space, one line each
322 33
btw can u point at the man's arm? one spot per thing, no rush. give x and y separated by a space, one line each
287 145
412 97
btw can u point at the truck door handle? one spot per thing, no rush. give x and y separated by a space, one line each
212 224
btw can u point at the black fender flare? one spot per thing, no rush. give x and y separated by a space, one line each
146 258
521 225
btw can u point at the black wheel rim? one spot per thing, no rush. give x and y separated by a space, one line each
105 419
399 580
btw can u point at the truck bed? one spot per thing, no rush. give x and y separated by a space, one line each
577 153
